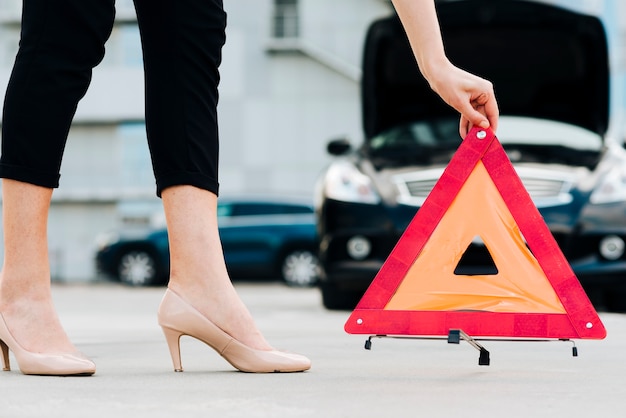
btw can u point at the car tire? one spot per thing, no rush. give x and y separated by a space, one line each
138 268
300 268
334 298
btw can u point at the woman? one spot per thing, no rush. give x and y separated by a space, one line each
181 39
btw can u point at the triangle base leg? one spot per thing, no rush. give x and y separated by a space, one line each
456 335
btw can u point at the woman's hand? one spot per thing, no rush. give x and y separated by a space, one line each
472 96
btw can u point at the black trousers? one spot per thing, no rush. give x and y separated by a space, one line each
63 40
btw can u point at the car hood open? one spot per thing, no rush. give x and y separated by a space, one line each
544 61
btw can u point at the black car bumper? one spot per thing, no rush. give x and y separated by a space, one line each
380 225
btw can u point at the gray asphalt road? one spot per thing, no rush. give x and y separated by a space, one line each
116 326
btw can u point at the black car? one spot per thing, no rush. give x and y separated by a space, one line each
550 70
265 237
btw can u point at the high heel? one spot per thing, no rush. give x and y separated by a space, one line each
173 342
6 366
57 364
178 318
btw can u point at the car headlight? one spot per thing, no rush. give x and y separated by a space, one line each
612 188
346 183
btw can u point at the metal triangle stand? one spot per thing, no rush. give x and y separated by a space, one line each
456 335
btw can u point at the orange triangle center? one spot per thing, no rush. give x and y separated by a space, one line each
520 284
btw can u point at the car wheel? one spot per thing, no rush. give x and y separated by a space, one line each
300 268
335 298
137 268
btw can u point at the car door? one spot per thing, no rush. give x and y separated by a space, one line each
249 237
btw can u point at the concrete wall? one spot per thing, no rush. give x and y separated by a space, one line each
281 100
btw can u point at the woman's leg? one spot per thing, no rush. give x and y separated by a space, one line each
25 300
61 42
182 42
198 272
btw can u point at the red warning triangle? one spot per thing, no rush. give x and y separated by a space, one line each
534 294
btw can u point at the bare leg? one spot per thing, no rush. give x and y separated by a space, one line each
25 296
198 272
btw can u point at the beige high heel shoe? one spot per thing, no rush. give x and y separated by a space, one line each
178 318
56 364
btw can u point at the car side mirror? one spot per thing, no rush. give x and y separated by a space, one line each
338 146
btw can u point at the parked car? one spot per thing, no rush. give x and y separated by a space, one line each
261 238
550 70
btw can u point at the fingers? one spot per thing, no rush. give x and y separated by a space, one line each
471 116
464 126
481 111
492 113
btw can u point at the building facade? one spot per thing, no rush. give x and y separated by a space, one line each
290 82
290 77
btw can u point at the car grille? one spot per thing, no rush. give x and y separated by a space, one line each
546 188
420 188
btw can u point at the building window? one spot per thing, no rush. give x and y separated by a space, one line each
286 19
136 168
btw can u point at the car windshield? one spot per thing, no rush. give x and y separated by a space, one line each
524 139
417 143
